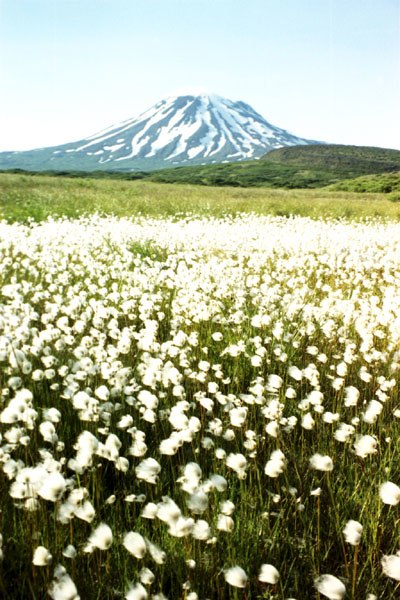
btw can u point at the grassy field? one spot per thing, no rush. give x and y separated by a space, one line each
198 408
24 196
199 396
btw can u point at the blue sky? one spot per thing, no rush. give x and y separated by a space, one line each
323 69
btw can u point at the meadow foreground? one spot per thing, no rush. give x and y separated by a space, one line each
199 408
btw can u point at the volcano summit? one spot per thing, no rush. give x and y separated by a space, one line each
180 130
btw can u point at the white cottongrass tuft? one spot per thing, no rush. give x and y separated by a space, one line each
201 530
168 510
307 422
41 557
101 538
225 523
136 592
181 527
53 487
276 464
147 576
135 544
272 428
330 586
155 552
365 445
351 396
391 566
69 551
218 482
274 383
238 463
63 588
321 463
148 470
295 373
150 511
197 502
85 511
268 574
236 577
238 416
352 532
389 493
227 507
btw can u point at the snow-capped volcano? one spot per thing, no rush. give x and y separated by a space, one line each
180 130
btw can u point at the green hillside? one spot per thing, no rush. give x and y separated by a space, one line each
255 173
352 160
291 167
382 183
311 166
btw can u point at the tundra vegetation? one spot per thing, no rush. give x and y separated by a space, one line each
197 405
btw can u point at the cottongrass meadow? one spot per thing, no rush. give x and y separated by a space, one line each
198 408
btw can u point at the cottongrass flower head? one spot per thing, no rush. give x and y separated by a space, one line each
147 576
63 588
351 396
295 373
236 577
307 422
148 470
268 574
330 586
197 502
227 507
352 532
155 552
136 592
276 464
225 523
238 416
238 463
149 511
344 432
41 557
191 477
389 493
53 487
391 566
85 511
201 530
135 544
69 551
272 428
365 445
181 527
321 463
101 538
168 510
218 482
274 383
